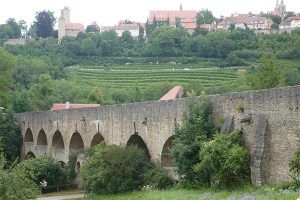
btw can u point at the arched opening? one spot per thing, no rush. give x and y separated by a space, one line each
62 163
28 136
166 157
97 139
76 143
78 167
58 141
29 155
139 142
42 139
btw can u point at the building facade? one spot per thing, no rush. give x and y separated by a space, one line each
65 27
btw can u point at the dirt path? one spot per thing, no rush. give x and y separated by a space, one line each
71 196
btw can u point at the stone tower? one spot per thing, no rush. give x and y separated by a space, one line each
66 14
62 21
280 7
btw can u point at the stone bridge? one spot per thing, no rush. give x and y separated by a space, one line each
269 119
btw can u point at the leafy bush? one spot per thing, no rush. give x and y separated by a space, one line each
44 167
224 161
15 183
157 178
114 169
197 126
294 168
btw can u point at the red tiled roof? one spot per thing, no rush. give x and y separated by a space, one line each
190 25
163 15
74 26
175 92
64 106
205 26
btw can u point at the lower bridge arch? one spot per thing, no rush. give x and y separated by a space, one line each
29 155
76 143
166 157
138 141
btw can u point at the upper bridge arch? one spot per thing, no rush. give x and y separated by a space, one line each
138 141
76 143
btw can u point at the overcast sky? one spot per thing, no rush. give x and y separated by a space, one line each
109 12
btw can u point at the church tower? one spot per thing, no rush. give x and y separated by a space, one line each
280 8
180 7
62 21
66 14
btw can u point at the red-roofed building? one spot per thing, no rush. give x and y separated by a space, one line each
65 27
66 106
251 21
174 93
133 28
187 18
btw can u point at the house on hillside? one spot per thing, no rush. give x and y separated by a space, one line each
65 27
243 21
185 18
291 23
133 28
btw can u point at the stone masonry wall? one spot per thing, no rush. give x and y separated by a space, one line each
271 142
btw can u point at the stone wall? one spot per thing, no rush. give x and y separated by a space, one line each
269 119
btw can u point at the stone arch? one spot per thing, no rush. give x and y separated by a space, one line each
166 158
97 139
78 167
58 141
138 141
76 143
28 136
62 163
42 138
29 155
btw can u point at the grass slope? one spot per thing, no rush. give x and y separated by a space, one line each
181 194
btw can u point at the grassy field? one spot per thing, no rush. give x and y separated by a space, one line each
181 194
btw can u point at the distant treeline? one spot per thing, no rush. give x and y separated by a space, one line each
107 48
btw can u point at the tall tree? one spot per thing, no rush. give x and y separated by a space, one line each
44 23
7 63
205 17
267 75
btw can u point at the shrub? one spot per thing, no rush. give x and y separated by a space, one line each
224 161
15 184
44 167
157 178
197 126
294 168
114 169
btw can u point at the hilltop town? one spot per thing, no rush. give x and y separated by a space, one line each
278 20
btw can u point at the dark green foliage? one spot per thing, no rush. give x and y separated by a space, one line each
16 183
294 168
233 60
114 169
197 127
205 17
224 162
10 136
44 167
267 75
44 23
157 178
7 63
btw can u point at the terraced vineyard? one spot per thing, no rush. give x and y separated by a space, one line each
127 76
